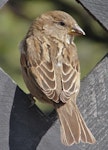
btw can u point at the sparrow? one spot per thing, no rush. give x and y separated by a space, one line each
51 71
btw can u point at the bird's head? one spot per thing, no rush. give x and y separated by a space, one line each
59 25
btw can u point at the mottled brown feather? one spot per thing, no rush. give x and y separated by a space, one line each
51 71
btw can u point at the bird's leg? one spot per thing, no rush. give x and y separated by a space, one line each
32 100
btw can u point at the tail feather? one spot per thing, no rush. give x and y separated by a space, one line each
69 134
64 138
73 128
86 135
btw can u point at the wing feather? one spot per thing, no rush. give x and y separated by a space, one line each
70 75
40 67
57 84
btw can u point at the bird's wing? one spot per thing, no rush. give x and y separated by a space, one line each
40 67
70 74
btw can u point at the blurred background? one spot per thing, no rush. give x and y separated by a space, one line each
15 19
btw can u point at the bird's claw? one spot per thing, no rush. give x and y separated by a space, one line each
32 100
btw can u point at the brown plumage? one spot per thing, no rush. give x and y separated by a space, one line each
51 71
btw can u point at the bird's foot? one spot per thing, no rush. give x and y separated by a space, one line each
32 100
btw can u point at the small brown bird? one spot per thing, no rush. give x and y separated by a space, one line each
51 71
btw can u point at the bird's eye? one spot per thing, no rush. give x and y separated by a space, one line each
61 23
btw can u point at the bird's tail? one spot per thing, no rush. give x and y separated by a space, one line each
73 127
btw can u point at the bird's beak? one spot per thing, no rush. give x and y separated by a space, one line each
76 30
